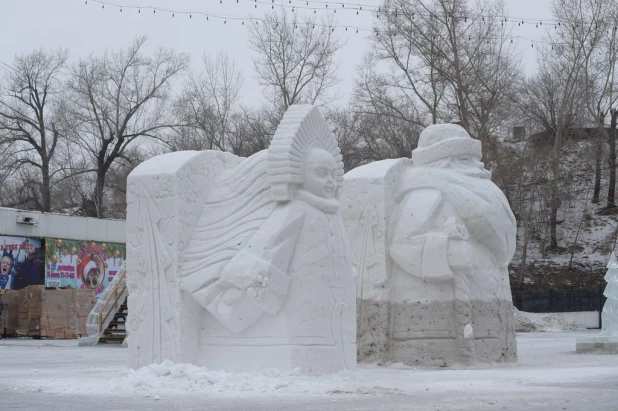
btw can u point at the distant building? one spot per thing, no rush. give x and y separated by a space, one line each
57 250
519 133
576 133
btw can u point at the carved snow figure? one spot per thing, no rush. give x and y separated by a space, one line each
367 202
606 342
453 237
265 280
609 316
432 241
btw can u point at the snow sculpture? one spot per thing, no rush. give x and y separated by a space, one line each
264 279
607 341
367 201
609 316
450 235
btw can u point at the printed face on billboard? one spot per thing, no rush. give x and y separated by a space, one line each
82 264
21 262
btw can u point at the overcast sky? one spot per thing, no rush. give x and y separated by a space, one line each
89 28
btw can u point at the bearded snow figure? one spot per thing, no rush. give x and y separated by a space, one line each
452 238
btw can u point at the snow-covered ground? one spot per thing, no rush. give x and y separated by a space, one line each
59 375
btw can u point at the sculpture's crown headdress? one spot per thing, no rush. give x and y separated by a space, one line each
302 127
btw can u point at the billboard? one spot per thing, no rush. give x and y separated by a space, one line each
82 264
21 262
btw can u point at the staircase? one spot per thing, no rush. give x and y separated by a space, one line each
116 330
106 322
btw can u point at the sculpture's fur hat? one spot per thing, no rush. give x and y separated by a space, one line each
444 140
303 127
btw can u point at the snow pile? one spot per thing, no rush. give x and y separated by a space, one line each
168 377
530 322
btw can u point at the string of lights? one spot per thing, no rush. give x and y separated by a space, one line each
313 5
309 5
334 6
7 68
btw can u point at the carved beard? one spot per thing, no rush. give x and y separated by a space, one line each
473 172
449 164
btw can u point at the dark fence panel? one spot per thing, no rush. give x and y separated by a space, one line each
554 301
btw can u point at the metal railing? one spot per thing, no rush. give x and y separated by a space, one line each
118 293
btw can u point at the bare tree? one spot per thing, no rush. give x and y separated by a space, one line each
206 105
295 58
252 130
30 123
345 125
449 58
593 39
553 99
118 100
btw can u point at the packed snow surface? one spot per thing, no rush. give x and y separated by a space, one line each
549 375
526 322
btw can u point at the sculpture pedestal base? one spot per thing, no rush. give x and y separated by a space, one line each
597 345
306 359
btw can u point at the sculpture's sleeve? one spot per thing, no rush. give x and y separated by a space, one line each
255 281
424 243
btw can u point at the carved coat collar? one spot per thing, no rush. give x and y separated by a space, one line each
327 205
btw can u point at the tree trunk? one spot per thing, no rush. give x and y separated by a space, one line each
524 251
98 194
611 191
553 217
554 197
46 186
597 171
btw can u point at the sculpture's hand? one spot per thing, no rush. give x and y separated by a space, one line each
259 287
462 257
252 277
238 274
456 229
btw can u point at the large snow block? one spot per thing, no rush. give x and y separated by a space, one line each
243 264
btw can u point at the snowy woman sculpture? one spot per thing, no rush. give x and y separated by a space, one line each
267 270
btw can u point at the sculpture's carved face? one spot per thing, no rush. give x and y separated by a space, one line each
467 161
319 170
